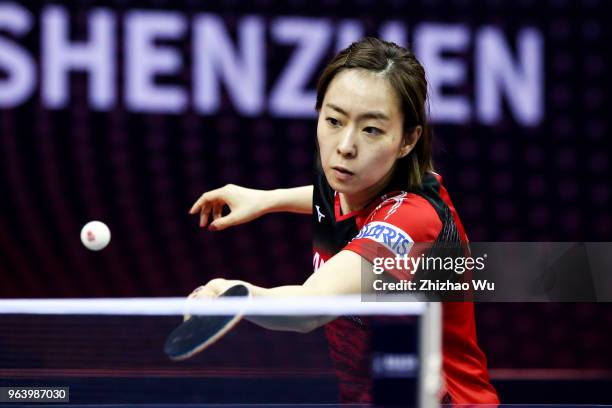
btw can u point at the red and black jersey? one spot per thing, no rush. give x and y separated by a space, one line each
393 221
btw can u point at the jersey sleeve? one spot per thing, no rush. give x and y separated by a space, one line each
403 225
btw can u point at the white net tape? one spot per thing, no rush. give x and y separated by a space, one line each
325 306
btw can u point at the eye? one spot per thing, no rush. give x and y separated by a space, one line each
371 130
333 121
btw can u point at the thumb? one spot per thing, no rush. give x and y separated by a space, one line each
227 221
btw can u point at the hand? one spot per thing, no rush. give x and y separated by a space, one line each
213 289
245 205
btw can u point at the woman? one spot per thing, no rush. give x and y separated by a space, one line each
374 172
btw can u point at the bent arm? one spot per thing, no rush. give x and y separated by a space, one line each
247 204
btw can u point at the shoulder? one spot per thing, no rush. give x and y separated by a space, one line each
408 212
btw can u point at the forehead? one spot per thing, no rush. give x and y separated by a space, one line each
357 91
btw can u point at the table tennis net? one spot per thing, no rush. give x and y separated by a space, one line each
110 351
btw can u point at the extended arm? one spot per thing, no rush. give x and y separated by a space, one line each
342 274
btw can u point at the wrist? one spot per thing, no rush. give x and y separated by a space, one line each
273 201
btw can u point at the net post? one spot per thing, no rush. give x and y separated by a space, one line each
430 346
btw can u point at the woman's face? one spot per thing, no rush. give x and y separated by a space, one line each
360 133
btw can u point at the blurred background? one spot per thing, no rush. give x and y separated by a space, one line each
127 111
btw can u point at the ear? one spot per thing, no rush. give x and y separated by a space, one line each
410 140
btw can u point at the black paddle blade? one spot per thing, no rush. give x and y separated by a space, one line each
199 332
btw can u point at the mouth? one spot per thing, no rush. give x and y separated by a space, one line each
342 174
343 170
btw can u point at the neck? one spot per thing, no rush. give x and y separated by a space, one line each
350 203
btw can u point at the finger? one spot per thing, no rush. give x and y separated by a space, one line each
203 218
222 223
206 197
192 295
196 206
217 286
204 214
217 210
200 202
201 292
195 292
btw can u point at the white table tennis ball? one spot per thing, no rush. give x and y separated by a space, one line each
95 235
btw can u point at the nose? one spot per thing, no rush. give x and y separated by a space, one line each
347 146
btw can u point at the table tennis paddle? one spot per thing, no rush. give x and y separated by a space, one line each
199 332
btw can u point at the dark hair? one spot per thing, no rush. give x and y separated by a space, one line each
407 77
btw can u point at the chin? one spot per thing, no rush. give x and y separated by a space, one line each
335 185
344 188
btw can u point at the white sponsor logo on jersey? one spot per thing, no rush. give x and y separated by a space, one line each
317 261
399 199
320 215
389 235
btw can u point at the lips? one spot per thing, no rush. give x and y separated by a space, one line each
342 174
343 170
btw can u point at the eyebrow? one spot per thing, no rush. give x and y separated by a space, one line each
367 115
